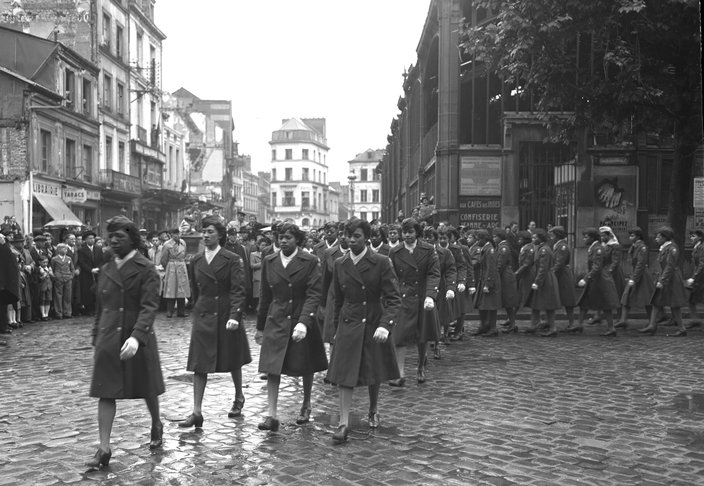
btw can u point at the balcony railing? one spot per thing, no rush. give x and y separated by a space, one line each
117 181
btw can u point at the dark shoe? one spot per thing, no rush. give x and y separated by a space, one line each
621 325
662 319
594 321
529 330
671 323
264 376
6 331
648 330
236 410
548 334
506 323
399 382
436 353
421 376
169 314
13 325
101 458
193 420
373 420
479 332
510 329
542 326
45 319
182 314
680 333
341 434
270 423
156 436
304 416
574 329
611 333
490 334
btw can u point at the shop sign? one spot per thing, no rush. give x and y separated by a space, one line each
699 192
480 212
75 195
616 198
94 195
47 188
480 175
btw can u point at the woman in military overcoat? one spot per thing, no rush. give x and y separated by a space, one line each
447 287
488 296
545 295
504 267
696 280
126 359
640 286
525 274
563 272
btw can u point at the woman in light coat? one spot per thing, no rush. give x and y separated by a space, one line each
177 287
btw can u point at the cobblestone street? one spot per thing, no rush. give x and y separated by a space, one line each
514 410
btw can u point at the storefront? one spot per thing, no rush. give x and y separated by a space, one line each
48 205
84 203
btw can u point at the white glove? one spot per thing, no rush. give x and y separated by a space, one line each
582 283
299 332
631 283
534 286
129 349
449 295
232 325
461 288
429 303
381 335
95 270
485 290
658 285
472 290
160 268
690 282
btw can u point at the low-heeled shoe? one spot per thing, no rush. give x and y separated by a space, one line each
341 434
101 458
304 416
157 436
191 421
236 410
270 423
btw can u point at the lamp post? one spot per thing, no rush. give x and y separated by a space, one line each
351 178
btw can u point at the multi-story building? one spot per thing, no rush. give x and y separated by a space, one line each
299 172
365 185
264 213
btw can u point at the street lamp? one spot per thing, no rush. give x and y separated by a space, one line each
351 178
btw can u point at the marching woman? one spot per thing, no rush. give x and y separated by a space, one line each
286 327
446 287
525 274
488 296
563 272
417 267
218 339
545 295
504 267
366 301
696 281
599 290
612 262
640 286
465 288
176 285
669 287
126 359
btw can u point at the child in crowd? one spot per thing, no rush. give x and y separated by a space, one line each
62 266
45 287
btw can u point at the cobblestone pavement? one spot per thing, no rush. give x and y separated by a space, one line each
514 410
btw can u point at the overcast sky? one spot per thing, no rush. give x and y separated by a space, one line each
336 59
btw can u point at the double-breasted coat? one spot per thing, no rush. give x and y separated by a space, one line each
383 249
600 292
673 292
525 274
696 295
466 300
173 259
504 267
639 295
563 272
219 295
419 277
448 281
547 295
489 279
127 302
288 296
326 312
366 296
461 267
612 261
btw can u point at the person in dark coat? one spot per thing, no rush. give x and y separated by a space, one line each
599 290
366 303
447 287
446 235
466 287
218 339
418 270
504 267
233 245
488 296
331 239
544 295
563 271
126 359
90 259
640 286
286 327
612 262
669 288
377 240
696 281
525 273
326 310
9 281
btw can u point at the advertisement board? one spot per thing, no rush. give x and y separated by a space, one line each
616 198
480 175
480 212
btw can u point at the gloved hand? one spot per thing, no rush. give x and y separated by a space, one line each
534 286
485 290
429 303
232 325
658 285
129 348
582 283
461 288
95 270
449 295
690 282
299 332
381 335
472 290
258 337
631 283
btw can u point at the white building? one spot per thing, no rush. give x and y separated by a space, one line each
299 172
365 185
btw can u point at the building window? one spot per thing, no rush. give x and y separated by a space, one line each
363 195
375 195
289 154
107 92
273 154
108 152
118 42
304 154
87 163
363 175
120 156
45 138
305 222
305 200
70 168
376 175
305 173
363 215
289 200
107 34
273 174
289 174
370 155
273 199
87 93
375 214
120 99
140 48
70 88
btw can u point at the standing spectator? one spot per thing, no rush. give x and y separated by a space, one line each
9 282
45 287
176 284
64 271
70 240
696 281
26 267
90 259
255 263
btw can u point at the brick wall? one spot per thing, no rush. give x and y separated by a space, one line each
13 151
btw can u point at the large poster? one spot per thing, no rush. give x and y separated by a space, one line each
616 198
480 175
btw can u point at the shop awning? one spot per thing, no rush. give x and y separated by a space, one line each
57 209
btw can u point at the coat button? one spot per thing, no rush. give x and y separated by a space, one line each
122 309
288 317
290 285
118 329
290 301
216 298
403 295
364 320
364 303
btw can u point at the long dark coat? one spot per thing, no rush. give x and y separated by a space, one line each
419 277
219 295
504 267
461 267
525 274
562 270
88 260
383 249
612 261
640 294
547 296
489 278
366 296
600 291
466 299
326 311
673 292
448 281
288 296
696 296
126 307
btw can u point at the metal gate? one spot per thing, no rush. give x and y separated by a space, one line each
547 186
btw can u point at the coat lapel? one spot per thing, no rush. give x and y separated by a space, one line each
202 266
278 268
405 256
112 273
353 270
219 263
295 265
